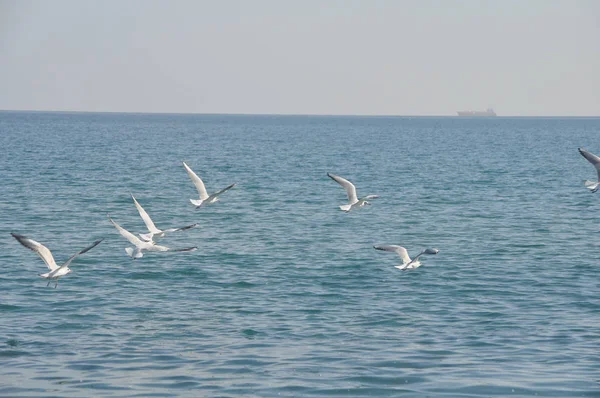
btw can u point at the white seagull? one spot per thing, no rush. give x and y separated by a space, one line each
353 201
595 160
205 198
153 231
45 254
407 263
141 246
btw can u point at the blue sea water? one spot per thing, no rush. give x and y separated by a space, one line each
286 295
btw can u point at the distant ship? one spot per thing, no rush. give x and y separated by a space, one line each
487 113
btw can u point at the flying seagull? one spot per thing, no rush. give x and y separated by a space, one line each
205 198
407 263
141 246
595 160
42 251
353 201
153 231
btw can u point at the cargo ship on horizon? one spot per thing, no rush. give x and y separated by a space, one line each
489 112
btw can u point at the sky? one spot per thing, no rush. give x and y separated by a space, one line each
342 57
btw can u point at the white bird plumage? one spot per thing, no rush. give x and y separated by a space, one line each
205 198
407 262
141 245
353 200
154 232
594 160
45 254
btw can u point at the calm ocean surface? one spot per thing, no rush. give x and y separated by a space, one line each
286 295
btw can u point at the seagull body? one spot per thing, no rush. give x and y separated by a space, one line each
595 160
141 245
153 231
407 262
353 201
205 198
45 254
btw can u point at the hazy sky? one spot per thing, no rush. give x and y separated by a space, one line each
392 57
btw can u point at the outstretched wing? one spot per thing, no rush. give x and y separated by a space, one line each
426 251
159 248
369 197
66 264
126 234
399 250
181 228
38 248
197 182
214 195
147 220
347 185
187 249
593 159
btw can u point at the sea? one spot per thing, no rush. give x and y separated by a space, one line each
286 296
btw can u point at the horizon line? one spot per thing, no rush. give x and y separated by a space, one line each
293 114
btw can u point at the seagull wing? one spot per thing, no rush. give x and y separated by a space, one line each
370 197
399 250
214 195
181 228
159 248
147 220
187 249
37 247
66 264
347 185
593 159
426 251
419 255
197 182
126 234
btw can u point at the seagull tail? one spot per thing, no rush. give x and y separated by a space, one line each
134 253
591 185
346 208
196 203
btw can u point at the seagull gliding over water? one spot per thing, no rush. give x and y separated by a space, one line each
205 198
595 160
153 231
407 263
45 254
353 201
141 246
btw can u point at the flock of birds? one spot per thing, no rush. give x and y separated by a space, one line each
147 241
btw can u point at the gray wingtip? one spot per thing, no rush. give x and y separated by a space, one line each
18 237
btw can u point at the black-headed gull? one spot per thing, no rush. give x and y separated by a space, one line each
353 200
595 160
205 198
153 231
45 254
141 246
407 263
